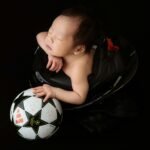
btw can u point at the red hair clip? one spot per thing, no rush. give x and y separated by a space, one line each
110 46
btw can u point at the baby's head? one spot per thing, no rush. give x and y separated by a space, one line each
87 27
73 29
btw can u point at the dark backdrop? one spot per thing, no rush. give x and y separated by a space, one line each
22 20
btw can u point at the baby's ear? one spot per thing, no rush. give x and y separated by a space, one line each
79 49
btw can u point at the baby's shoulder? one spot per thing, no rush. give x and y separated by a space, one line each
83 66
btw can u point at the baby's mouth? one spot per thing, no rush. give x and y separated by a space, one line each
48 47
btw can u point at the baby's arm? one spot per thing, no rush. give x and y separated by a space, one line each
54 63
76 96
80 89
40 37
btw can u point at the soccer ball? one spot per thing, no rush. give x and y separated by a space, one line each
33 118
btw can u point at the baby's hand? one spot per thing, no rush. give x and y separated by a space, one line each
54 63
44 90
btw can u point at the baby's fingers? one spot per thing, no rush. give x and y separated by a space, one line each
40 94
59 68
49 64
46 98
53 66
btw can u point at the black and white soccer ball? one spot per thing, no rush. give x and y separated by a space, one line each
33 118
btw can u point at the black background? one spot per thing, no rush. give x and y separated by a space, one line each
22 20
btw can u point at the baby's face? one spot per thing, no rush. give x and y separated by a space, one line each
60 37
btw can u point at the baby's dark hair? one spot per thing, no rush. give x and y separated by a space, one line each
89 29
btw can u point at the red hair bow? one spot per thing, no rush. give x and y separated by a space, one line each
110 46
